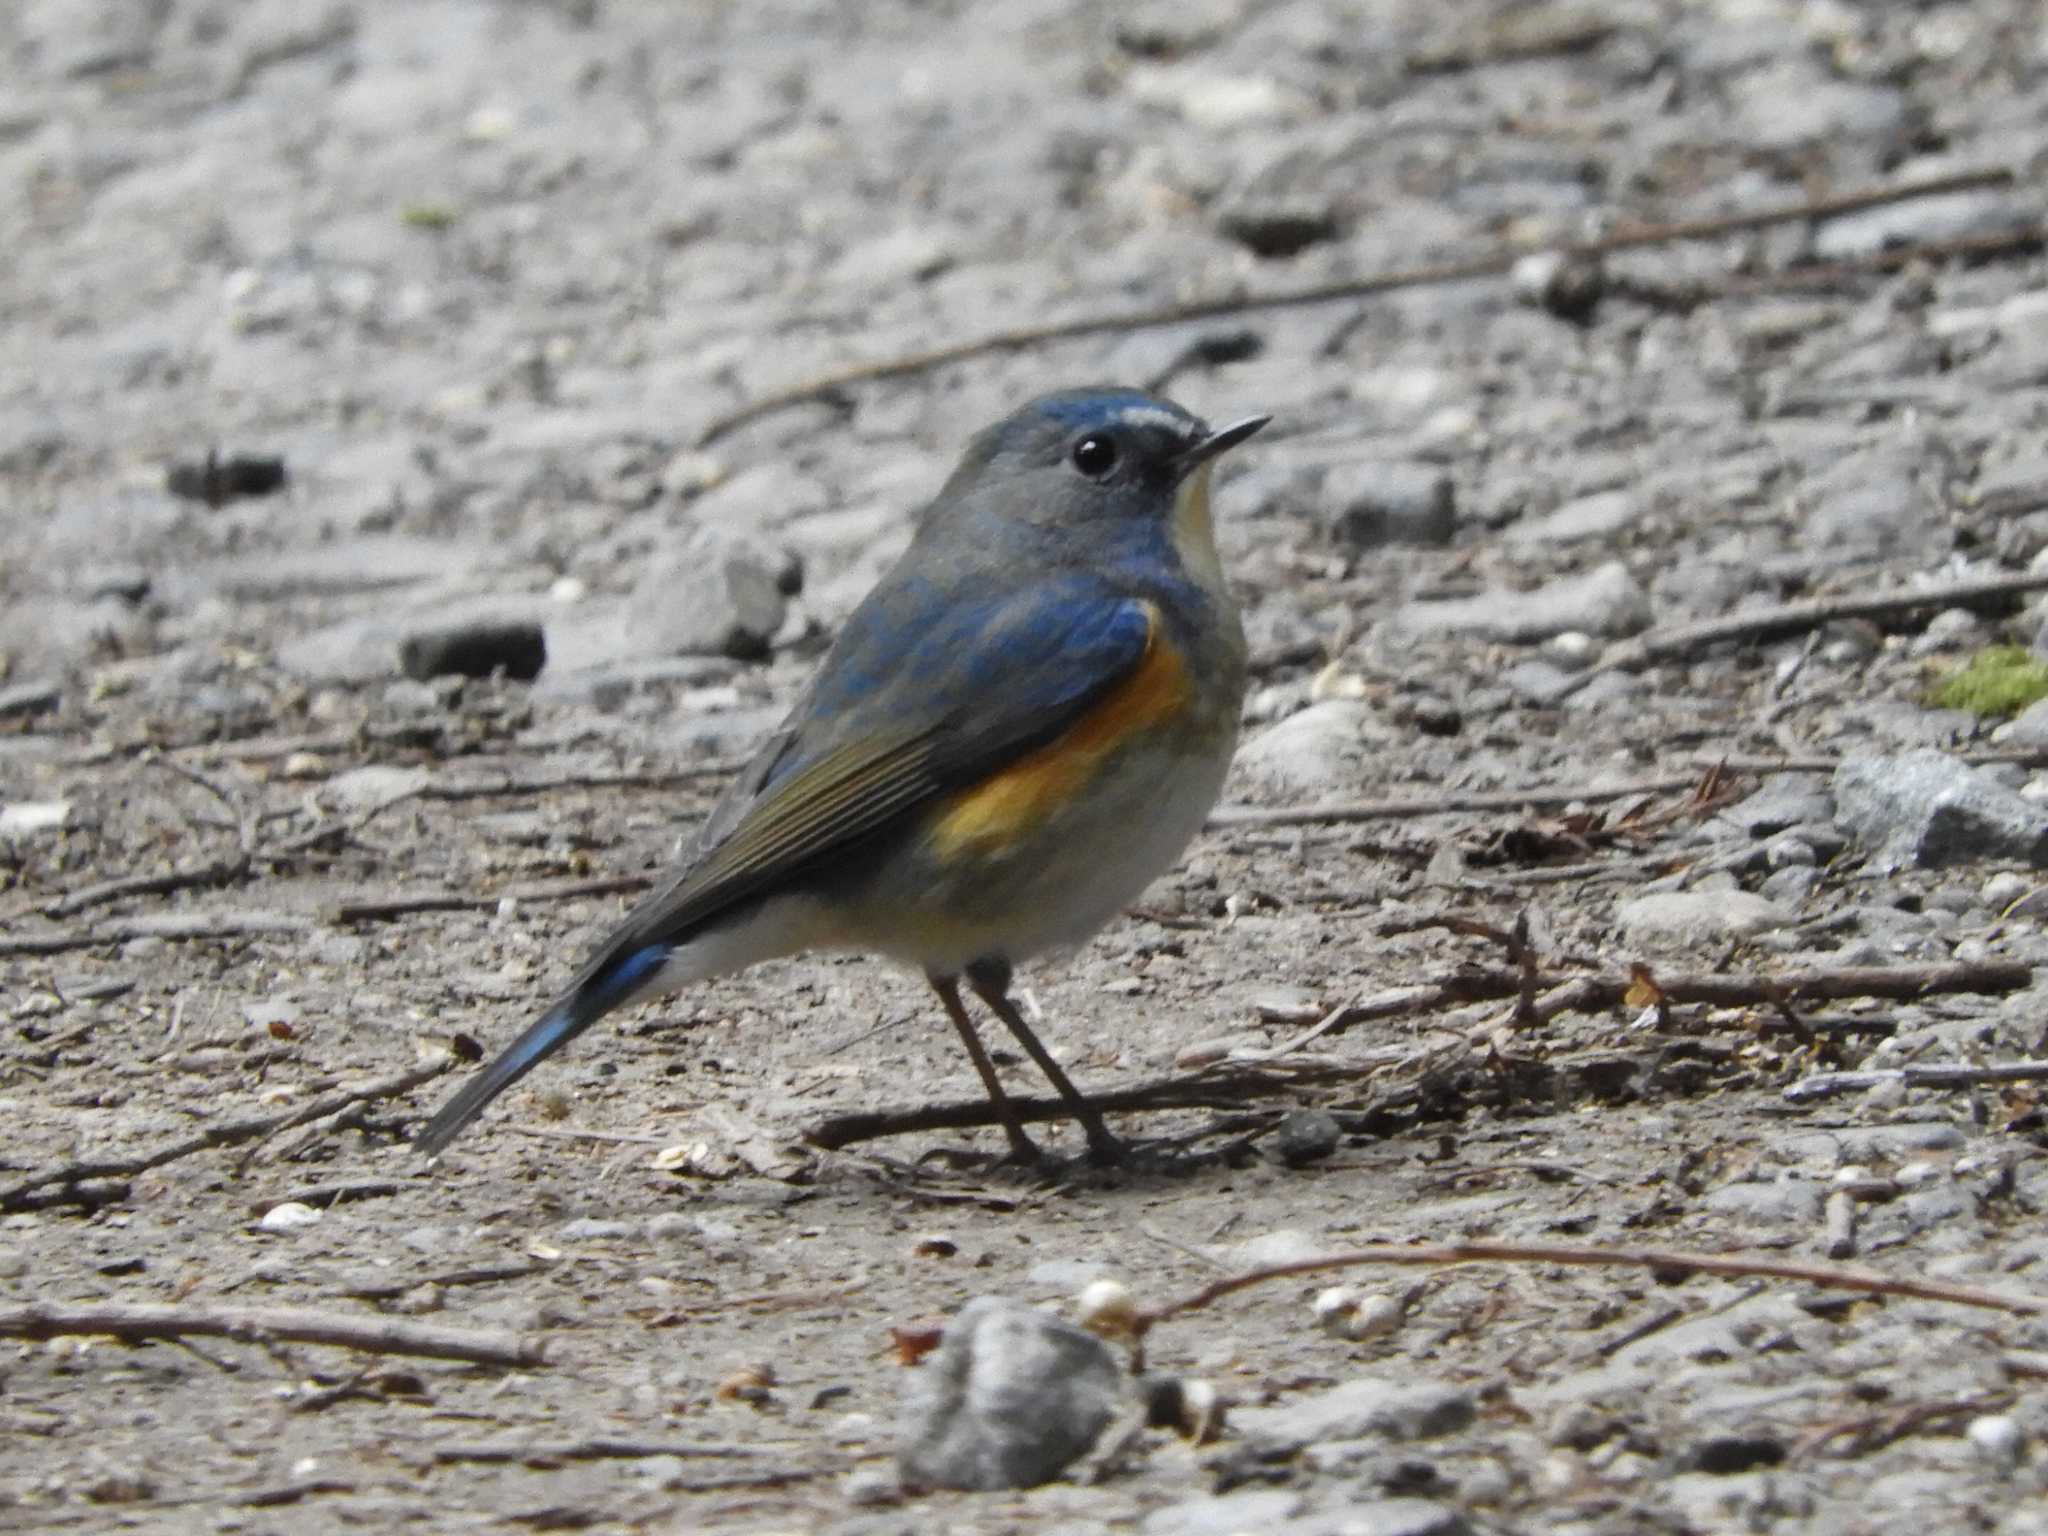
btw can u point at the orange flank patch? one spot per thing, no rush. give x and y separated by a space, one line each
1023 796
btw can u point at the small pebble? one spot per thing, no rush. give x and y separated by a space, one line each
1307 1136
872 1487
1573 647
2005 889
1106 1308
1346 1312
1997 1437
288 1217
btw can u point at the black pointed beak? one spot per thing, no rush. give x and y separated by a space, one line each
1220 441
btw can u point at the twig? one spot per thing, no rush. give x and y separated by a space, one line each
2022 757
667 778
1665 1261
1826 1085
1231 1083
1492 264
383 908
385 1288
20 1195
1877 1430
1394 810
222 871
1338 1017
1222 1087
376 1334
175 925
1685 296
227 870
1784 618
597 1448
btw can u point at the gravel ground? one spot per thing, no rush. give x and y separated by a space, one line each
483 276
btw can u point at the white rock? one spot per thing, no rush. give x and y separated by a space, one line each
1997 1438
288 1217
32 818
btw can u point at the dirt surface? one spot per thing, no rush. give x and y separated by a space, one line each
482 275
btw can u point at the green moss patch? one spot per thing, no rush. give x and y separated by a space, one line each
2002 680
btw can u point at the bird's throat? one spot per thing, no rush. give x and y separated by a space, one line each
1194 532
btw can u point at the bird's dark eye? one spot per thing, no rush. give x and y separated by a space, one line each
1095 456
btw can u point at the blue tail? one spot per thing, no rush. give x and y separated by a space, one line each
583 1007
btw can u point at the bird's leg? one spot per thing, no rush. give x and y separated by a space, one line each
1022 1147
991 982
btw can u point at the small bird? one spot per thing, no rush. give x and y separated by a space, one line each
1018 729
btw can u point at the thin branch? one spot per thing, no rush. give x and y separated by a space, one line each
225 870
1241 1079
1827 1085
24 1193
1492 264
667 778
1395 810
387 1288
1788 618
2021 757
371 1332
1222 1087
177 925
596 1448
1665 1261
380 909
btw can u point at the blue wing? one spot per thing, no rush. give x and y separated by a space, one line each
924 693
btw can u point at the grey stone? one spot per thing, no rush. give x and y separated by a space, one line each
352 651
1788 104
1319 750
1781 802
903 255
1785 1202
766 496
717 594
1790 886
2012 489
1926 808
1604 601
1010 1399
2019 361
1598 516
585 1229
374 784
1228 1514
1697 917
34 698
1306 1136
1916 221
1371 505
2029 728
1068 1275
1540 682
1951 629
1875 504
1748 1327
1370 1406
